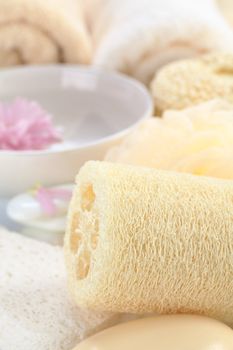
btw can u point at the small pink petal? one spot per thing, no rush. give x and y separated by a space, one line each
46 202
47 196
60 193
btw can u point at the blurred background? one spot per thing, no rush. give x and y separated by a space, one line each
77 76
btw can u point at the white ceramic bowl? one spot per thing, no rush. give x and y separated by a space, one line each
96 108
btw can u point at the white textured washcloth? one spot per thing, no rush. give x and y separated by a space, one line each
35 310
42 31
139 36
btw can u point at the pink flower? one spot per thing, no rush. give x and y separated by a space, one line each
24 125
47 198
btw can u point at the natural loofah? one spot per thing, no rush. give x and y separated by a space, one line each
186 83
36 312
197 140
143 240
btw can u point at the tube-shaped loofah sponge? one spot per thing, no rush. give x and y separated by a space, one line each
188 82
144 240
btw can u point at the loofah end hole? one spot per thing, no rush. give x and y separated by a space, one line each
83 264
84 238
75 241
87 198
226 71
76 236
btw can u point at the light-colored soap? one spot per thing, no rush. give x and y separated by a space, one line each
177 332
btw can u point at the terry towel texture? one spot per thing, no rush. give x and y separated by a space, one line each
35 310
42 31
143 240
139 36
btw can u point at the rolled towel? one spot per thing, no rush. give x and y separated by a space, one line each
39 31
36 312
139 36
144 240
197 140
188 82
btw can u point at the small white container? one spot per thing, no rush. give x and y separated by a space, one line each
96 109
30 218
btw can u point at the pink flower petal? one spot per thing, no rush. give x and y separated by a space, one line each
47 196
61 193
46 202
24 125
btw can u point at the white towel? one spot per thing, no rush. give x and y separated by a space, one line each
42 31
35 310
139 36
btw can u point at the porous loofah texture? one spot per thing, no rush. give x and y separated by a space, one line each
36 312
143 240
197 140
38 32
186 83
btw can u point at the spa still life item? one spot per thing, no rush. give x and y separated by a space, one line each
188 82
25 126
42 212
36 311
138 37
196 140
43 32
91 111
144 240
176 332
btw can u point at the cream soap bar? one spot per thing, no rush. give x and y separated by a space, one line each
178 332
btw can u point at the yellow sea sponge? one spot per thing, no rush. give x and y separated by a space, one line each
196 140
145 240
192 81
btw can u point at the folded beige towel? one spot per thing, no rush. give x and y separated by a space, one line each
35 310
42 31
139 36
144 240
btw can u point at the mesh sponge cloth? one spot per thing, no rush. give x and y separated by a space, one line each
197 140
144 240
35 310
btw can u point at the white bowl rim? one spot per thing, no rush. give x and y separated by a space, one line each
83 68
